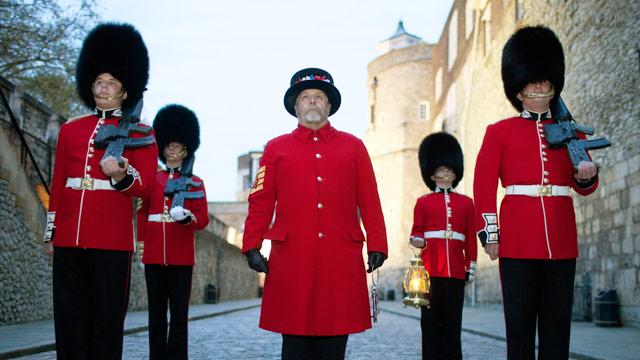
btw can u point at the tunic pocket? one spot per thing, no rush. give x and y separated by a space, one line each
356 235
277 234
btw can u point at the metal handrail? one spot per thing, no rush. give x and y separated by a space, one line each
25 145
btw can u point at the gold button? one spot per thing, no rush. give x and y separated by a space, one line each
318 156
545 180
546 173
315 138
544 159
319 178
320 206
88 168
320 235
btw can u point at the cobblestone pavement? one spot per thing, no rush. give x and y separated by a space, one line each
236 336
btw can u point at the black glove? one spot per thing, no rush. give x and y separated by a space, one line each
256 261
375 260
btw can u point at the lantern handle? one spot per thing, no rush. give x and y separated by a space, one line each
417 252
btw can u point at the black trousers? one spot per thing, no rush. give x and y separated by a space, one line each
90 299
296 347
441 323
537 291
168 285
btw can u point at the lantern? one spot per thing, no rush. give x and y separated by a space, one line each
416 284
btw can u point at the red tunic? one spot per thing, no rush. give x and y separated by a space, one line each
515 151
320 184
94 219
170 243
448 258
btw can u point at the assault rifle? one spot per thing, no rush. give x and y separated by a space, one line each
565 133
116 139
179 188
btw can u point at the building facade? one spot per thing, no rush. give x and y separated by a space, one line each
602 86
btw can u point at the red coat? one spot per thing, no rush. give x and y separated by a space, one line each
448 258
94 219
170 243
320 184
515 152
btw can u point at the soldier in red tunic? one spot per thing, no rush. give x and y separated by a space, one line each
444 227
90 218
320 184
166 231
537 237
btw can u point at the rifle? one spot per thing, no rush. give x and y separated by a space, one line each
179 188
565 133
116 139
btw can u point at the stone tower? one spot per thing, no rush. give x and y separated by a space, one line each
399 117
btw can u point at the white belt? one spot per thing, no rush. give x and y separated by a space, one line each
160 218
444 234
89 184
537 190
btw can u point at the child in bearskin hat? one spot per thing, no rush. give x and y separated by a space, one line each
443 227
166 231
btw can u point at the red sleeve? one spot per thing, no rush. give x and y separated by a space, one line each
57 184
200 210
471 242
592 185
142 216
369 203
487 172
262 201
143 165
59 171
418 220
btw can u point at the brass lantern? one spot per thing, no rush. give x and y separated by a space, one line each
416 284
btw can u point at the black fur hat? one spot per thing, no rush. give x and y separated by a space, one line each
117 49
311 78
440 149
532 54
176 123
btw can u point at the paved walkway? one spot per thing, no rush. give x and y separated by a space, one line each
588 342
35 337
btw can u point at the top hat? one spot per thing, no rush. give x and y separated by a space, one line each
311 78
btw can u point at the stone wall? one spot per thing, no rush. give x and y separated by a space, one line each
217 262
396 88
25 271
602 86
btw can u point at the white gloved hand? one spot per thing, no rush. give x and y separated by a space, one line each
179 213
417 241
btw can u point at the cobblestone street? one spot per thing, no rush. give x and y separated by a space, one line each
236 336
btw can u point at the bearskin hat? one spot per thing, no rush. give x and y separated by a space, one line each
532 54
117 49
440 149
311 78
176 123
